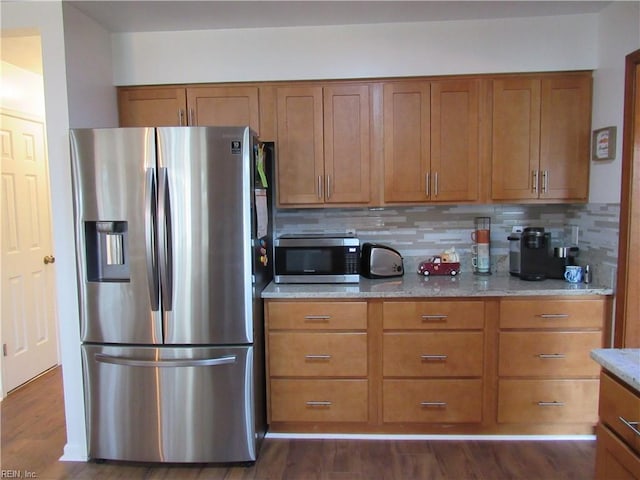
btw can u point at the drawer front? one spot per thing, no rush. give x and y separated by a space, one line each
305 354
433 315
432 401
531 313
614 460
548 354
319 400
433 354
620 410
548 401
317 315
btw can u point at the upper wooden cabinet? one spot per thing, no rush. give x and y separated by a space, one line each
541 134
431 141
204 106
323 144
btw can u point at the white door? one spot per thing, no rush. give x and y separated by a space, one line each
29 334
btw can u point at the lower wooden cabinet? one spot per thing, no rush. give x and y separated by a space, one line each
451 365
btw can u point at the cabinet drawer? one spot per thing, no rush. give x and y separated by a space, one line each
319 400
432 401
619 404
548 401
317 354
548 354
433 315
433 354
533 313
614 460
318 315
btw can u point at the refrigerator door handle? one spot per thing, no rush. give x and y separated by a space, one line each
150 238
164 240
187 362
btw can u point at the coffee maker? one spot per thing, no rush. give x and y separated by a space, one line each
532 257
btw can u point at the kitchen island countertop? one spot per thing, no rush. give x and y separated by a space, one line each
624 363
414 285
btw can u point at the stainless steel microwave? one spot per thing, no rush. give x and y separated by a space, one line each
316 259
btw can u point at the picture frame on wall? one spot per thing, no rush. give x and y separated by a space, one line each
603 144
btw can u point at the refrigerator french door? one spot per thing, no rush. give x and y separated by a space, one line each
170 277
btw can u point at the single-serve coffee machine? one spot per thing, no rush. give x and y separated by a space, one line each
532 257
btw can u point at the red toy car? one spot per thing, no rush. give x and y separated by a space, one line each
435 266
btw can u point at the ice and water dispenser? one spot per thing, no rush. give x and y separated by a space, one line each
107 251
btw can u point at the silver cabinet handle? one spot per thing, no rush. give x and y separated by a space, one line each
180 117
319 187
545 181
427 187
192 117
317 317
534 181
551 355
328 187
179 362
553 315
434 357
434 318
317 357
433 404
632 425
551 404
435 193
318 403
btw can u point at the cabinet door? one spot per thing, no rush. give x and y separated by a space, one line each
300 162
407 129
455 130
515 139
151 107
224 106
564 137
346 144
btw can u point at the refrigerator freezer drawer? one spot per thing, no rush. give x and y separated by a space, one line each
171 404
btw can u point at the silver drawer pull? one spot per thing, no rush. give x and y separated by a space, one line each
317 357
553 315
318 404
434 318
433 404
433 357
551 355
317 317
551 404
632 425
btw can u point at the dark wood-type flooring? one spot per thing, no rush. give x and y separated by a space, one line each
33 436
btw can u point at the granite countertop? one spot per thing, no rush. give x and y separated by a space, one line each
624 363
414 285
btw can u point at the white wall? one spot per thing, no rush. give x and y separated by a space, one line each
46 17
92 97
356 51
618 35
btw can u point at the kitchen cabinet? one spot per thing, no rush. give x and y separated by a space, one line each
540 137
323 138
431 141
544 370
192 105
618 439
317 361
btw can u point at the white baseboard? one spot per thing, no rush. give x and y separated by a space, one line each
357 436
74 453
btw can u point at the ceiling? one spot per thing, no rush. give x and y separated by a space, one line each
145 16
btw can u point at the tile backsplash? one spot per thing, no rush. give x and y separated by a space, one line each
421 231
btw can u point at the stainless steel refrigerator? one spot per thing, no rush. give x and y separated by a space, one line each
173 234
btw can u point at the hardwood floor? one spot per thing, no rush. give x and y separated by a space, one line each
33 437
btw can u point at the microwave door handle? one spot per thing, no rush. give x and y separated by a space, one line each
150 205
164 240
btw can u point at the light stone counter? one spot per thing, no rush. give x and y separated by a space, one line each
624 363
414 285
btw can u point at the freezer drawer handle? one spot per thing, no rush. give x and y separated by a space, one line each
188 362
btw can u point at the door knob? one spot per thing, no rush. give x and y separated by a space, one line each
49 259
